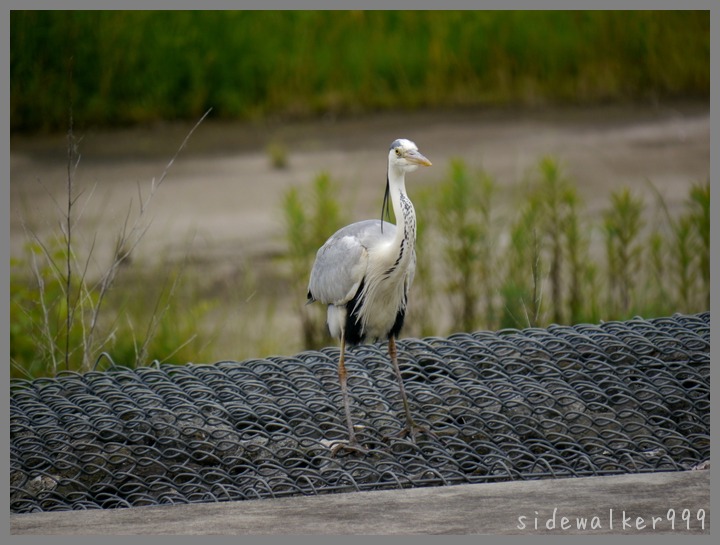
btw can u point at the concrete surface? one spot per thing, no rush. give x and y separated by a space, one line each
675 503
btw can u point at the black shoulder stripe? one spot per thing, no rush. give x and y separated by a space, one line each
354 333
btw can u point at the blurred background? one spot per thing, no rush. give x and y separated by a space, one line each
570 177
130 67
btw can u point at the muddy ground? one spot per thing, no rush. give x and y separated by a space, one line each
220 204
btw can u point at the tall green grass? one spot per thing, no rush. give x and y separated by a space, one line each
463 215
123 67
305 233
534 263
63 308
547 258
622 224
689 247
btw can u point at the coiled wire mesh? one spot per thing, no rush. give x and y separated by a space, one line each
620 397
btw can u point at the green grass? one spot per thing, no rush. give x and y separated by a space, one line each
622 225
305 233
547 259
463 216
532 263
64 308
163 319
125 67
689 247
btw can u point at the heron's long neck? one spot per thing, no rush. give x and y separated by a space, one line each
403 208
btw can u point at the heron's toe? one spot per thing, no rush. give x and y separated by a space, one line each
352 447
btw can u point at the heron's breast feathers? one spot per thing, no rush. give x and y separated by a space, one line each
389 275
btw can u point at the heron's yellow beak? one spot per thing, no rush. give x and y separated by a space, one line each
414 156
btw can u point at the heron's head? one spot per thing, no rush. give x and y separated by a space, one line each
404 155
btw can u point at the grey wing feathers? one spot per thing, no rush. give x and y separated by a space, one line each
341 263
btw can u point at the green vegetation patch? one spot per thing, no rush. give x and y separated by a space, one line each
125 67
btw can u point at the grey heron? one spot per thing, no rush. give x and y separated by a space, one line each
364 271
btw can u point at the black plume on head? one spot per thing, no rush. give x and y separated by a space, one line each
385 212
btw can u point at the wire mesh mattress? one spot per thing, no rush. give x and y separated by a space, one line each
620 397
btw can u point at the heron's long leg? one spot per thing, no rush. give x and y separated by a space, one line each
342 374
392 351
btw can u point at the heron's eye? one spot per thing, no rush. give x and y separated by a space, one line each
397 152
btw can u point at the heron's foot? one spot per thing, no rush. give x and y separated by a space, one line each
352 447
413 430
